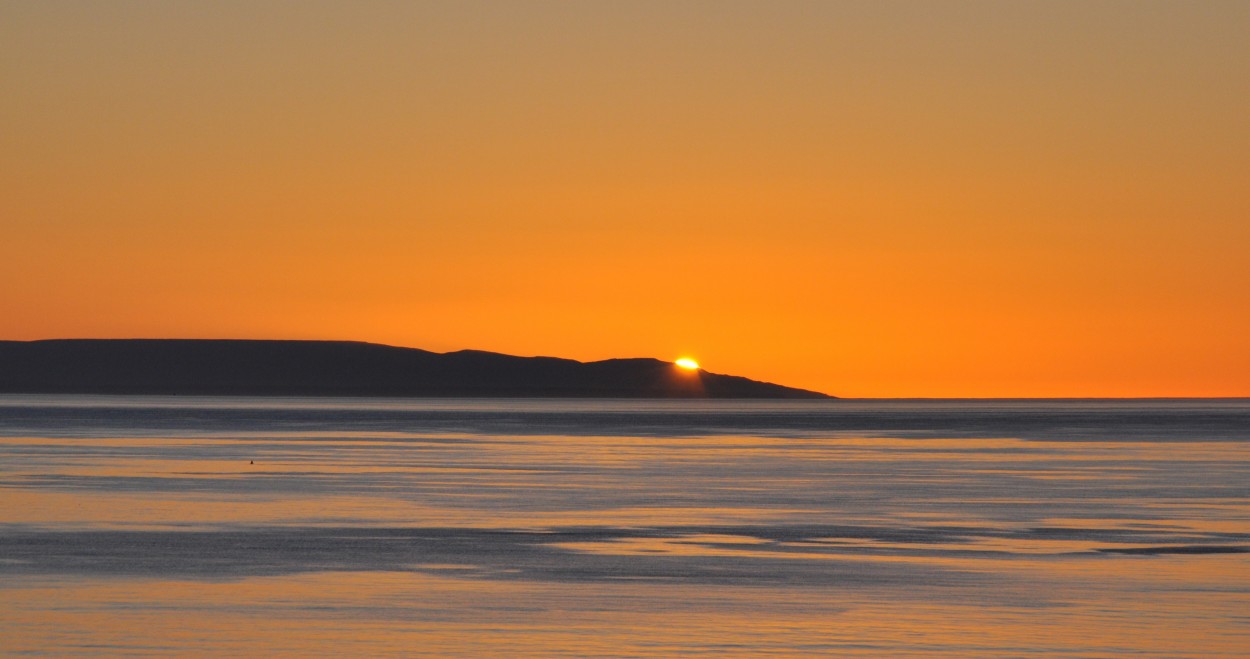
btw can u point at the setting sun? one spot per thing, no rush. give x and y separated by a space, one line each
361 317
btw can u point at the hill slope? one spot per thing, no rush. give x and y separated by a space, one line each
344 368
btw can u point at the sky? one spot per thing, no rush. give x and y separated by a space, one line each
879 199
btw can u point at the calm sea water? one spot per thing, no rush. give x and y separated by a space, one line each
199 526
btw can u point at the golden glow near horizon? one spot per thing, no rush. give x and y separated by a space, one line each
889 199
687 363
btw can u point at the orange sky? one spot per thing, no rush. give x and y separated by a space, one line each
864 198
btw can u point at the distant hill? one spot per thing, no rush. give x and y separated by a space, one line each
345 368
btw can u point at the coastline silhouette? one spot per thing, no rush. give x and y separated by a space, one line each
346 368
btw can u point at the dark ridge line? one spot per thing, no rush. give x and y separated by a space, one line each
261 367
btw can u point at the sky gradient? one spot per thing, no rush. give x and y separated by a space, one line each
863 198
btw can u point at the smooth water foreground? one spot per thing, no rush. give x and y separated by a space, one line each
133 525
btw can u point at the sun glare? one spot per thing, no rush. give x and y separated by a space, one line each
687 363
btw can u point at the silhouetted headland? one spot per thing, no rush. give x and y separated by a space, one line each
345 368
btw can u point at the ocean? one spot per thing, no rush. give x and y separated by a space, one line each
889 528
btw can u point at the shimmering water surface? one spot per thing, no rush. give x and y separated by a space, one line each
148 525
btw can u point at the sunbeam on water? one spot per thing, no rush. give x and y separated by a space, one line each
941 528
